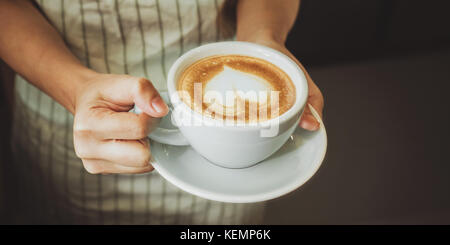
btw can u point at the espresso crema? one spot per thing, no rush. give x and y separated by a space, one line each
236 87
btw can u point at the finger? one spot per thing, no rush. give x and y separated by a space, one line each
140 91
315 98
135 153
104 123
132 153
308 121
99 166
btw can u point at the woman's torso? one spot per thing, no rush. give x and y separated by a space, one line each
140 38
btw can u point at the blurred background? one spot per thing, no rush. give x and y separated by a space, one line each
384 69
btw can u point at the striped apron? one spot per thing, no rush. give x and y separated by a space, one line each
137 37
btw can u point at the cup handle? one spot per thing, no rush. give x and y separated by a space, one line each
169 136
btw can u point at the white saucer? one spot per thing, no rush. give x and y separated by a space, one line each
286 170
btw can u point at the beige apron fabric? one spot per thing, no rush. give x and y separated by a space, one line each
140 38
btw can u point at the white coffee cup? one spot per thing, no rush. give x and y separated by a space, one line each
231 146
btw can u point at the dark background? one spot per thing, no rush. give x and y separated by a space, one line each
384 69
334 32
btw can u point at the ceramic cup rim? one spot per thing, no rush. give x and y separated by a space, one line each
300 81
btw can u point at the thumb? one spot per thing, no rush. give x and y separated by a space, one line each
147 98
127 90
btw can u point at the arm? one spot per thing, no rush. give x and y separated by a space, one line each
268 23
33 48
107 138
266 19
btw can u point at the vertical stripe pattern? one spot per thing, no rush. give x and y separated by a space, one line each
144 51
139 38
125 66
88 64
66 120
180 26
161 34
199 22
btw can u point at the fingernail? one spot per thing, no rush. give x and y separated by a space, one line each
159 105
316 126
310 123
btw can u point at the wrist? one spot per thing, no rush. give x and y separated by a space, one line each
262 36
61 75
76 81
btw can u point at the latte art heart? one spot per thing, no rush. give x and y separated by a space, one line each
235 87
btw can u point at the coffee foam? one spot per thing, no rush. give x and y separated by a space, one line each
237 87
235 80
